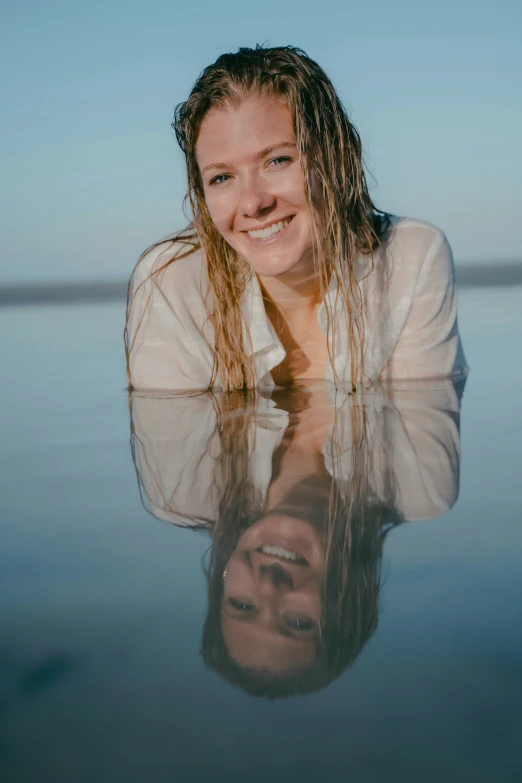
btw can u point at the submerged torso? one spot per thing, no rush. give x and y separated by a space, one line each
409 320
305 346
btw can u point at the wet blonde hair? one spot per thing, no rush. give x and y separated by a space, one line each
343 218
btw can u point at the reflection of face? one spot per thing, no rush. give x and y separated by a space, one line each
252 181
272 595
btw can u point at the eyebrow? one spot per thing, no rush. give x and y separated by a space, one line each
261 154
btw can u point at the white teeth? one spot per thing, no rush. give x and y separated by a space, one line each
279 551
269 230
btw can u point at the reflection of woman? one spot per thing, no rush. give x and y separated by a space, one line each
287 270
294 581
298 498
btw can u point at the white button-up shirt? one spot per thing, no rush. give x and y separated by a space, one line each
410 312
412 434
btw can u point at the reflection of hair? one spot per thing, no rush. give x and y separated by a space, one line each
344 220
354 526
349 610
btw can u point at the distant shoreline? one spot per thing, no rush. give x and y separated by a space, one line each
468 276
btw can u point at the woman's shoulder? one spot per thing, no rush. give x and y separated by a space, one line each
413 232
413 249
175 260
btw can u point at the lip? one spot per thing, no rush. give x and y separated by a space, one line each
272 238
298 561
288 532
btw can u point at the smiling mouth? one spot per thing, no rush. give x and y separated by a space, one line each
269 231
283 554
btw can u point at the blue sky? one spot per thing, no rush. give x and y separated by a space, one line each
91 172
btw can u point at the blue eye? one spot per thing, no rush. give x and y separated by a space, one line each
300 623
280 159
242 606
219 179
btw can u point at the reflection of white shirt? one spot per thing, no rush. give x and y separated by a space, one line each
416 434
177 447
410 312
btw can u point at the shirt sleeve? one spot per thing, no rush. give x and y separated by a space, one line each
429 344
178 453
172 452
426 457
413 445
166 349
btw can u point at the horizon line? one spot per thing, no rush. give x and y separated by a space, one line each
67 292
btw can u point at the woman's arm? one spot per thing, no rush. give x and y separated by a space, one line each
166 341
429 344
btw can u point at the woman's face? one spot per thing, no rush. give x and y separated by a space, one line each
253 184
272 595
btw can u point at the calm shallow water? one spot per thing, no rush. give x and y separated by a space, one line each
103 606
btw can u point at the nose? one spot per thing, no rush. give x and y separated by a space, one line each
275 578
254 199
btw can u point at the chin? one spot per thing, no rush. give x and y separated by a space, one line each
272 267
271 270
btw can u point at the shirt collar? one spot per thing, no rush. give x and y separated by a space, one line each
266 348
259 334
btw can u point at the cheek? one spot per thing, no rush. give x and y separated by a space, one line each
290 189
221 209
238 578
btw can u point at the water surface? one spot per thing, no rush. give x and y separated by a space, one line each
103 604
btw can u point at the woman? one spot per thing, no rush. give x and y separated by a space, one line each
287 270
298 498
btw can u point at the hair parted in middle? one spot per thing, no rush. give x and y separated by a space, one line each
344 221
